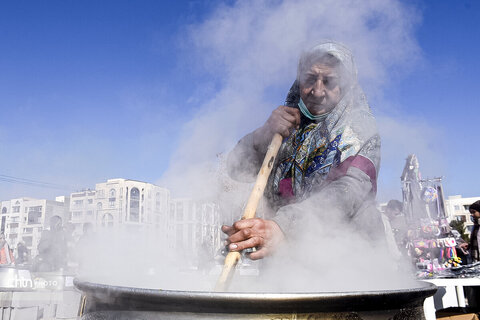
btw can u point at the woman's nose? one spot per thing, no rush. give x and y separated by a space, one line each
319 88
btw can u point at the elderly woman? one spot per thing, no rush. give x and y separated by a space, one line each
328 163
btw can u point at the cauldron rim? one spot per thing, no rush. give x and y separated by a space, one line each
84 284
110 297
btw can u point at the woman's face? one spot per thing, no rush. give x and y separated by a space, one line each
320 88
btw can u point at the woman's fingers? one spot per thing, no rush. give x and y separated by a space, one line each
245 223
256 232
259 254
228 230
283 120
249 243
292 115
284 127
241 235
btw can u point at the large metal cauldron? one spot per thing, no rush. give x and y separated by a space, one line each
109 302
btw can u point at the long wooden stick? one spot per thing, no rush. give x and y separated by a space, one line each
251 208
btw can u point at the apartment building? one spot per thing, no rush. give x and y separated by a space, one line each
120 202
194 227
24 219
123 201
457 208
82 210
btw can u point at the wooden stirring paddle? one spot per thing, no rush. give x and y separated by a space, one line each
250 209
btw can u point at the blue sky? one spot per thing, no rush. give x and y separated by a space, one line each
91 90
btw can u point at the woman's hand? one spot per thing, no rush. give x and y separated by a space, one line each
282 120
266 235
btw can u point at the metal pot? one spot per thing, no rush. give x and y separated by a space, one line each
114 302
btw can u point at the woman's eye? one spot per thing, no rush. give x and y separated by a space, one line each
310 80
330 83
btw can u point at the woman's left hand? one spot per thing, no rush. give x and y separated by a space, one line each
266 235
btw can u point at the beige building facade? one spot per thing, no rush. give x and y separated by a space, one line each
194 227
24 219
457 208
120 202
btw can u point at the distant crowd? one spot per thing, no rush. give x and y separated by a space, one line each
57 248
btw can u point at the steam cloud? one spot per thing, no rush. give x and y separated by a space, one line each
251 49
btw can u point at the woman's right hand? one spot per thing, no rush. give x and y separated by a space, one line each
282 120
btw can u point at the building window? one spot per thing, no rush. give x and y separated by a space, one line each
466 207
16 209
4 210
179 236
134 205
112 194
34 215
90 201
78 203
99 206
457 207
77 214
180 212
2 228
158 200
101 193
89 213
107 220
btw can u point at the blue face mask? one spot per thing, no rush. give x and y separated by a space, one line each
308 114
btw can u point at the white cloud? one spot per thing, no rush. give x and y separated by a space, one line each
401 136
253 46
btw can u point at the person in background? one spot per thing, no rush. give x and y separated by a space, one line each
6 255
52 248
392 218
461 247
475 235
69 231
328 162
394 211
22 253
472 293
84 245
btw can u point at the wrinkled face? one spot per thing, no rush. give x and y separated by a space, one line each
320 88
